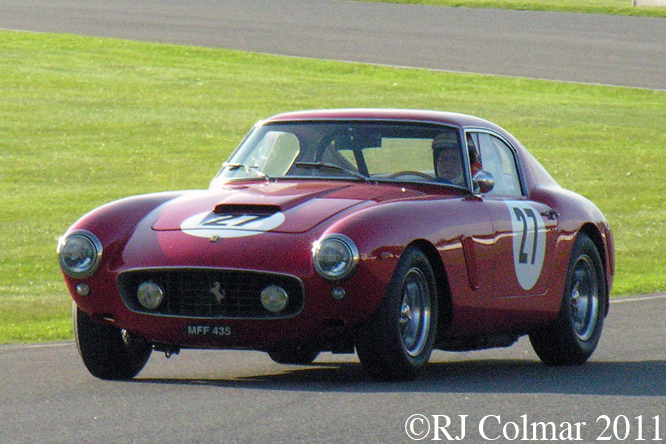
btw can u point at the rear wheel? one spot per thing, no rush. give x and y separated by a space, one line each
108 352
573 336
398 340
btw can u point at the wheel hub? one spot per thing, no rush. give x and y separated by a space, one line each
405 314
415 313
584 299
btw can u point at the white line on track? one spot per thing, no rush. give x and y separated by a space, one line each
643 297
7 347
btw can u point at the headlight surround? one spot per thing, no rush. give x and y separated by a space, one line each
79 254
335 257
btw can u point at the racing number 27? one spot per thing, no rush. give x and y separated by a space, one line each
523 214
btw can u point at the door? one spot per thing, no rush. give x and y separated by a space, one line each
525 233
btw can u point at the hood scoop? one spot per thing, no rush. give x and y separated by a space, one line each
260 210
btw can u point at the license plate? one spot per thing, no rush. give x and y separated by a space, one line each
208 330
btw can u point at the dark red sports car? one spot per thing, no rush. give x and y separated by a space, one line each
385 232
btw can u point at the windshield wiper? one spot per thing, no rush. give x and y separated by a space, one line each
330 166
255 169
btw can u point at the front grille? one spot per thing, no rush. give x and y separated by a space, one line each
211 293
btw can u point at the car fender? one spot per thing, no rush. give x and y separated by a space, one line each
117 219
383 232
578 214
113 225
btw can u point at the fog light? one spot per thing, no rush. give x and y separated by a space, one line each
150 295
83 289
274 299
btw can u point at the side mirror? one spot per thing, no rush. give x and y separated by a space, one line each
483 182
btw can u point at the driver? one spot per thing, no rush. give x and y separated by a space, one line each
448 159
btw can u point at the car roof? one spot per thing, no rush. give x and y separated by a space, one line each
403 115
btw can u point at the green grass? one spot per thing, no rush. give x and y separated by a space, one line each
616 7
84 121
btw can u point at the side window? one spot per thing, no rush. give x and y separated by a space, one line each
498 159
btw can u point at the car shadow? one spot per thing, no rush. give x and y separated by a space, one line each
474 376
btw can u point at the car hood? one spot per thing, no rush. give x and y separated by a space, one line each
239 210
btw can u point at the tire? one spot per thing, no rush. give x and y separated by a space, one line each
573 336
294 355
398 339
108 352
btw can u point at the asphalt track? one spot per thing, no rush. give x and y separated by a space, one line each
613 50
46 395
243 397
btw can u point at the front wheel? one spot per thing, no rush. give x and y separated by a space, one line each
573 336
108 352
398 340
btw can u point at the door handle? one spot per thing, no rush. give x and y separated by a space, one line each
551 214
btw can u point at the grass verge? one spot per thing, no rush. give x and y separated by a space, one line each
85 121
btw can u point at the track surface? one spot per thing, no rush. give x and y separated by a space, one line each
243 397
615 50
46 395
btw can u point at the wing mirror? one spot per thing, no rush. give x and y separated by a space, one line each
483 182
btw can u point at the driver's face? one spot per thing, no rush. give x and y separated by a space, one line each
448 164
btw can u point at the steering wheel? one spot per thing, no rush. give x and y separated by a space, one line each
411 173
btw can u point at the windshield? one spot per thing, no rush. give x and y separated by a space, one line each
410 152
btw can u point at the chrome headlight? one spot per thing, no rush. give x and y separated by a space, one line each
335 257
79 254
